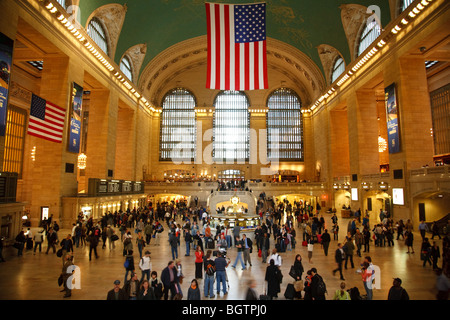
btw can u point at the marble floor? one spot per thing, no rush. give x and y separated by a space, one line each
34 277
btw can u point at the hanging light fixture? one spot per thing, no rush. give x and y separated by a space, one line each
82 161
382 144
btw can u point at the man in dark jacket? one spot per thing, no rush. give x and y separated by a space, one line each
52 238
169 279
318 288
326 239
397 292
265 246
117 293
339 258
131 288
93 241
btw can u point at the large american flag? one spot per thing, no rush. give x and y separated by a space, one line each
237 57
46 120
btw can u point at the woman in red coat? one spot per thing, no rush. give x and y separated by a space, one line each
199 263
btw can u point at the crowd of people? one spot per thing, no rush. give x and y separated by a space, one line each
136 229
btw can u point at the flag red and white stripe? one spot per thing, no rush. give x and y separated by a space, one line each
46 120
233 64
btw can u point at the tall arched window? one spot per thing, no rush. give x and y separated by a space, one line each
231 127
371 31
63 3
97 33
338 69
125 67
405 4
284 126
178 127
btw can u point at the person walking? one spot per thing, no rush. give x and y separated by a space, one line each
129 264
210 271
140 241
173 241
240 248
248 246
145 265
52 238
423 228
366 236
273 277
264 246
339 258
349 247
326 239
169 280
109 234
93 242
359 240
435 231
435 255
66 246
310 248
409 238
38 239
188 240
297 273
65 274
425 252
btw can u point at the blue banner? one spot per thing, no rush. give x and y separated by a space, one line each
75 118
392 119
74 135
6 51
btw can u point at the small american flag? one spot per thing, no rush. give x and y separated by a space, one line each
237 57
46 120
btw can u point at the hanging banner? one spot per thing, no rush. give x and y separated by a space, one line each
392 119
75 118
6 51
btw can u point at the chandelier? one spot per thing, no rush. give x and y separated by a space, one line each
382 144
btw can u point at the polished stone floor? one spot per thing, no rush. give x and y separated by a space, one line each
34 277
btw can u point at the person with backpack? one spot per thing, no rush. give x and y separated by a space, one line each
129 264
210 271
349 247
318 287
145 265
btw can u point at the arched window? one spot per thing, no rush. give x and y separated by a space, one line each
371 31
125 67
405 4
97 33
178 126
338 69
62 3
231 127
284 126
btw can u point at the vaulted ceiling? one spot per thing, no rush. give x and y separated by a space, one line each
303 24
